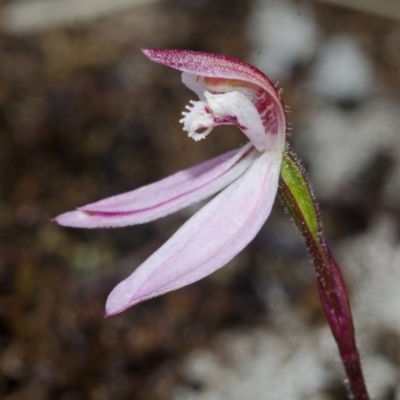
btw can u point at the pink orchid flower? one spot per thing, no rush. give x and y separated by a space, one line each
231 92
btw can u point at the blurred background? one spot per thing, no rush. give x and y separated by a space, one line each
84 115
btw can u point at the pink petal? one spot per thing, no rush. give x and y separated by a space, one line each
211 65
163 197
211 238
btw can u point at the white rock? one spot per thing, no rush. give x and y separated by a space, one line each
342 71
339 144
292 363
371 264
282 34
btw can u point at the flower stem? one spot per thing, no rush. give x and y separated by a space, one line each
296 193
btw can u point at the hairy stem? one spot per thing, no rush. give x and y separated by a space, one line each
296 193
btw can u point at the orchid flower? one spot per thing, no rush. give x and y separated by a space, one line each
230 92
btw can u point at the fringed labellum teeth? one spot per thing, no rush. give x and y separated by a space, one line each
198 116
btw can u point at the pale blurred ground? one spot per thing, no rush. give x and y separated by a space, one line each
84 115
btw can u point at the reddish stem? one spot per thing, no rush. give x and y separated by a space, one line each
335 301
332 291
